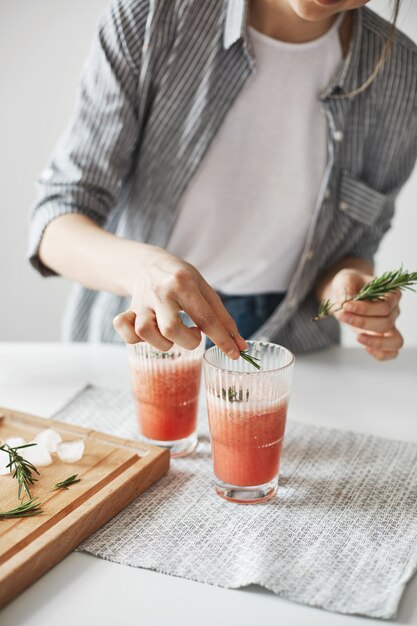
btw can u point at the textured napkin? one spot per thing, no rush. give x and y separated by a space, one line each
341 533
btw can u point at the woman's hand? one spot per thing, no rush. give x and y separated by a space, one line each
159 283
164 285
374 321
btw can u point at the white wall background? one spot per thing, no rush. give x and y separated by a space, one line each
42 48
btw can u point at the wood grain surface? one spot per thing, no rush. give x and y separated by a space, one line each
113 472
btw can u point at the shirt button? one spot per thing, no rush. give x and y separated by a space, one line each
338 135
343 206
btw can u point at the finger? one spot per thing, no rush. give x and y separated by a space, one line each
224 316
375 324
203 315
124 325
391 341
375 308
147 328
382 356
172 327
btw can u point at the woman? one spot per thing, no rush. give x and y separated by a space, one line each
305 114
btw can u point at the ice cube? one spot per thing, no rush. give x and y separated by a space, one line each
49 438
14 442
70 451
38 454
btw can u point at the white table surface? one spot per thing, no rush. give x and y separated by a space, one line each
335 388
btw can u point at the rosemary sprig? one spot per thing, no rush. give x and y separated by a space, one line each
389 281
25 509
64 484
250 359
155 354
21 469
376 289
325 309
234 395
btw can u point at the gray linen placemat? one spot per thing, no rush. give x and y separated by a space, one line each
340 535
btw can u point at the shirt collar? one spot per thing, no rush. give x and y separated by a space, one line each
346 77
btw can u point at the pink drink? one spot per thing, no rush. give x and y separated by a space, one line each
167 399
247 409
166 386
246 443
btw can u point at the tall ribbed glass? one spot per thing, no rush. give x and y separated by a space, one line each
166 387
247 411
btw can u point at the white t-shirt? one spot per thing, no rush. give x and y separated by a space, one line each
244 217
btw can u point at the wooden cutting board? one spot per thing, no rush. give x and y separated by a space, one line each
113 473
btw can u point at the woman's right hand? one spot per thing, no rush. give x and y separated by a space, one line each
164 285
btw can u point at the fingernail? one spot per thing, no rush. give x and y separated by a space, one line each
346 317
349 307
362 339
233 354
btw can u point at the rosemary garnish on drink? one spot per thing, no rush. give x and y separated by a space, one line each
21 469
376 289
64 484
25 509
235 395
156 354
250 359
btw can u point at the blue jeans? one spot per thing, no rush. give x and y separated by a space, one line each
250 311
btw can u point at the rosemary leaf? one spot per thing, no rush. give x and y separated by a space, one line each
25 509
21 469
234 395
64 484
389 281
250 359
325 309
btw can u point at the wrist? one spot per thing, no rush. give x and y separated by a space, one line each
135 256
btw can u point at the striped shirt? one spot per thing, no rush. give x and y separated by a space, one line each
160 78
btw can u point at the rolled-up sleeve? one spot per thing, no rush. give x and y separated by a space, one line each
398 171
95 152
368 244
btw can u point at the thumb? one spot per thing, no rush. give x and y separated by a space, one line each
346 285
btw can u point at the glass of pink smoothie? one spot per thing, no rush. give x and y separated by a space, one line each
166 387
247 411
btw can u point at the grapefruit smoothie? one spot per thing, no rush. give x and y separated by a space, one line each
166 387
247 410
246 442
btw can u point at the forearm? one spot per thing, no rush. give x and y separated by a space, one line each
77 248
323 284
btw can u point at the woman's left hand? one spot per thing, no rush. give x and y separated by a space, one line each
374 321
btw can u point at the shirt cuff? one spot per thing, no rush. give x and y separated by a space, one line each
41 218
